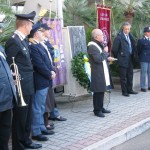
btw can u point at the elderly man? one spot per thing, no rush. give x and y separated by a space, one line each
43 75
7 99
100 76
17 47
51 106
143 48
124 50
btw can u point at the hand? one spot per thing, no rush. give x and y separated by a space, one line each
111 59
53 74
106 49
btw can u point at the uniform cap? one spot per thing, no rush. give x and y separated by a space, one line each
35 28
147 29
29 17
45 26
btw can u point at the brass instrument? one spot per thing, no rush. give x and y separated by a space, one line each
14 67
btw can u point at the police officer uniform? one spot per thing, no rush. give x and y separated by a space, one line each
17 47
143 47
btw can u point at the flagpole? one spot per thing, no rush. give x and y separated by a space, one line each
50 10
103 2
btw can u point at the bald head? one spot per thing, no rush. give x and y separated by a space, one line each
97 34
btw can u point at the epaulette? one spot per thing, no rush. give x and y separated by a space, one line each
13 36
32 41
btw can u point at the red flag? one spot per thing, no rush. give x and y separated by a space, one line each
104 16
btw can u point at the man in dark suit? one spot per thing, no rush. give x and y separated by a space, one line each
100 76
17 47
7 99
143 47
124 50
43 75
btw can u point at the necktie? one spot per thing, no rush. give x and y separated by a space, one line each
128 39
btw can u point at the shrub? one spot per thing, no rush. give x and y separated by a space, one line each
77 68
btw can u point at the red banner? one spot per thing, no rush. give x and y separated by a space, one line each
104 16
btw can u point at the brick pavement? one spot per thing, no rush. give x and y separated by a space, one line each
83 129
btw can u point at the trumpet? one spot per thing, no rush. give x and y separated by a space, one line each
14 67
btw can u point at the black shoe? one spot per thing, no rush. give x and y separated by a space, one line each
59 118
105 111
51 124
143 90
125 94
100 114
49 127
33 145
40 138
132 92
47 132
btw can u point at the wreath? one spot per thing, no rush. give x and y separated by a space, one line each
78 70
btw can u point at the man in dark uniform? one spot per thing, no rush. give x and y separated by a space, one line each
51 106
124 50
43 75
17 47
143 47
7 99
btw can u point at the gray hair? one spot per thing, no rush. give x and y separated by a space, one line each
95 33
126 24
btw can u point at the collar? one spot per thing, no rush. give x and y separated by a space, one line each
146 37
21 35
45 39
36 41
126 34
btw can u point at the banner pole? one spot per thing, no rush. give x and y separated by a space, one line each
103 2
50 9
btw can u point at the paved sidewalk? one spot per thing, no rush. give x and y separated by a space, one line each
85 131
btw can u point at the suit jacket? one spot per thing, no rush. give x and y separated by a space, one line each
97 71
15 47
121 50
7 87
42 66
143 47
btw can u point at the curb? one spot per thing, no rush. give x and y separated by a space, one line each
121 136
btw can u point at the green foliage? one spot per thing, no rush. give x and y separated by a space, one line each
77 68
9 21
77 12
88 34
114 69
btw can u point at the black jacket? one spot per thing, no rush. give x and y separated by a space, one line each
97 71
120 49
143 47
15 47
42 66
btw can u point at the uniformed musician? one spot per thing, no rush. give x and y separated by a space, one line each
17 47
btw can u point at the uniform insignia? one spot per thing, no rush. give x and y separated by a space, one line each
24 49
31 40
13 36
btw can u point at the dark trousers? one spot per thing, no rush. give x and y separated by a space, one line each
98 98
126 78
5 128
21 125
